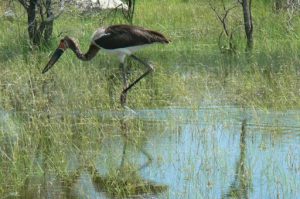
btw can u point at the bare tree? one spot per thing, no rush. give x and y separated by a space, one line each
227 30
223 16
248 23
40 18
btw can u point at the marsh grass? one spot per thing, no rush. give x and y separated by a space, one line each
126 183
190 71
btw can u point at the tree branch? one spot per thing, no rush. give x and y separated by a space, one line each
53 17
222 18
215 11
24 3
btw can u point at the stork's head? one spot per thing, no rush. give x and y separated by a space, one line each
63 45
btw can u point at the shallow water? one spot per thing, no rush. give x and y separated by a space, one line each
197 153
203 158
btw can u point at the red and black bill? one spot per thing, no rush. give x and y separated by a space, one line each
56 55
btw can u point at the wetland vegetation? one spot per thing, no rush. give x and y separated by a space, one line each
207 123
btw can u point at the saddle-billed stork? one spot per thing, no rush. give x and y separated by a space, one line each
121 40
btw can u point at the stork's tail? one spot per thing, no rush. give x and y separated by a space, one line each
158 37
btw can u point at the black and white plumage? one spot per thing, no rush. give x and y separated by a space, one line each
125 39
121 40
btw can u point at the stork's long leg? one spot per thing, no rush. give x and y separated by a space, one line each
125 90
123 72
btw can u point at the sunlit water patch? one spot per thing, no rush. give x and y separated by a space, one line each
206 158
200 153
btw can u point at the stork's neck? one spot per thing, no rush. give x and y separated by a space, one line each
92 51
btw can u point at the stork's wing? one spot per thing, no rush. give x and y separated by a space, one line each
122 36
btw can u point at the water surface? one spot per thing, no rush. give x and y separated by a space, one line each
200 153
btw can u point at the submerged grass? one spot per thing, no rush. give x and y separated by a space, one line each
126 183
190 71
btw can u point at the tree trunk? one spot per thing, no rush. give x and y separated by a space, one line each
246 4
32 23
40 26
49 25
278 5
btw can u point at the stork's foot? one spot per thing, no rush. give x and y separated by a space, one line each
123 98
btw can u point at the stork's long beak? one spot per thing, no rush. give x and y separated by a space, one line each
56 55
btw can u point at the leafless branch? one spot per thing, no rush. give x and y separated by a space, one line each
223 17
215 11
222 14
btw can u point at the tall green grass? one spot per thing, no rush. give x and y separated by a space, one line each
193 58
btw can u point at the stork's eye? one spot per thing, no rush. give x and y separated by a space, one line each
62 44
